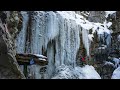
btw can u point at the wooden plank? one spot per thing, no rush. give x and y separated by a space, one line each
36 61
25 58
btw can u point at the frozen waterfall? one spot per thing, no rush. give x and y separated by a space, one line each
55 35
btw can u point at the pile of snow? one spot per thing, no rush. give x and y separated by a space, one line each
68 72
90 72
116 73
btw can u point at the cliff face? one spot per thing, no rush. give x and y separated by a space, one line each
110 17
9 68
96 16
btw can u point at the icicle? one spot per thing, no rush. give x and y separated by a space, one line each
51 27
85 40
38 32
51 60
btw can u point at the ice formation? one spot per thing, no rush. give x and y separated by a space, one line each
21 37
57 36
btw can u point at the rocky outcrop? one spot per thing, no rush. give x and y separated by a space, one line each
9 68
113 51
96 16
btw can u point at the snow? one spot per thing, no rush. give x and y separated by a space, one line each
67 14
109 63
90 37
117 61
42 59
90 73
67 72
79 19
40 56
102 29
88 25
116 73
109 24
109 13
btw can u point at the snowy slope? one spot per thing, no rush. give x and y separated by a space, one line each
116 73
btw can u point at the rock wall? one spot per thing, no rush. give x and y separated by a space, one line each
9 68
96 16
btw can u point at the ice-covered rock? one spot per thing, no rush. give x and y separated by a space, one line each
68 72
117 62
109 13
